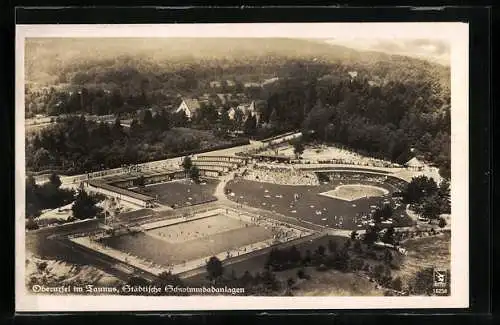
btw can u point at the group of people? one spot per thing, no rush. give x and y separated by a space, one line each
348 157
282 176
363 162
379 179
281 231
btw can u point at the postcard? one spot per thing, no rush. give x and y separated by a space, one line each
241 166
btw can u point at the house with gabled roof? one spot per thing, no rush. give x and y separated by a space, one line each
189 106
247 109
415 164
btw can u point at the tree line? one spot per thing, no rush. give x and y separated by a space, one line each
427 198
379 112
50 195
76 145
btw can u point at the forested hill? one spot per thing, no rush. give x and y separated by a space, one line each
387 106
176 61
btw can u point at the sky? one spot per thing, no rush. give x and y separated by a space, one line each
433 50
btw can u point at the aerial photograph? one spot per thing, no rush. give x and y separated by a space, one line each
176 166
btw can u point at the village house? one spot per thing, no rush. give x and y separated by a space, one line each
224 98
189 106
246 109
270 81
353 74
215 84
415 164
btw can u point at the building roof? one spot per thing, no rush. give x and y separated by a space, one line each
222 97
192 104
119 190
252 84
270 81
415 162
246 107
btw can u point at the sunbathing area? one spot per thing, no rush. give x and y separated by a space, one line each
331 154
282 175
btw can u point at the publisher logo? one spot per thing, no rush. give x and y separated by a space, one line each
440 282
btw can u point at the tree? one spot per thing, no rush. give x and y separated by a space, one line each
274 118
397 284
147 119
294 254
332 246
371 235
33 204
357 246
117 129
85 206
247 278
250 125
207 116
135 128
187 163
31 224
41 158
214 268
55 180
341 261
137 281
388 236
423 282
163 120
269 280
167 278
429 207
180 119
382 213
307 257
140 181
444 196
388 256
419 188
223 124
298 148
442 223
380 272
321 250
194 174
357 264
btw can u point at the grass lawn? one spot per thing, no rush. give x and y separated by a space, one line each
335 283
426 252
326 283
